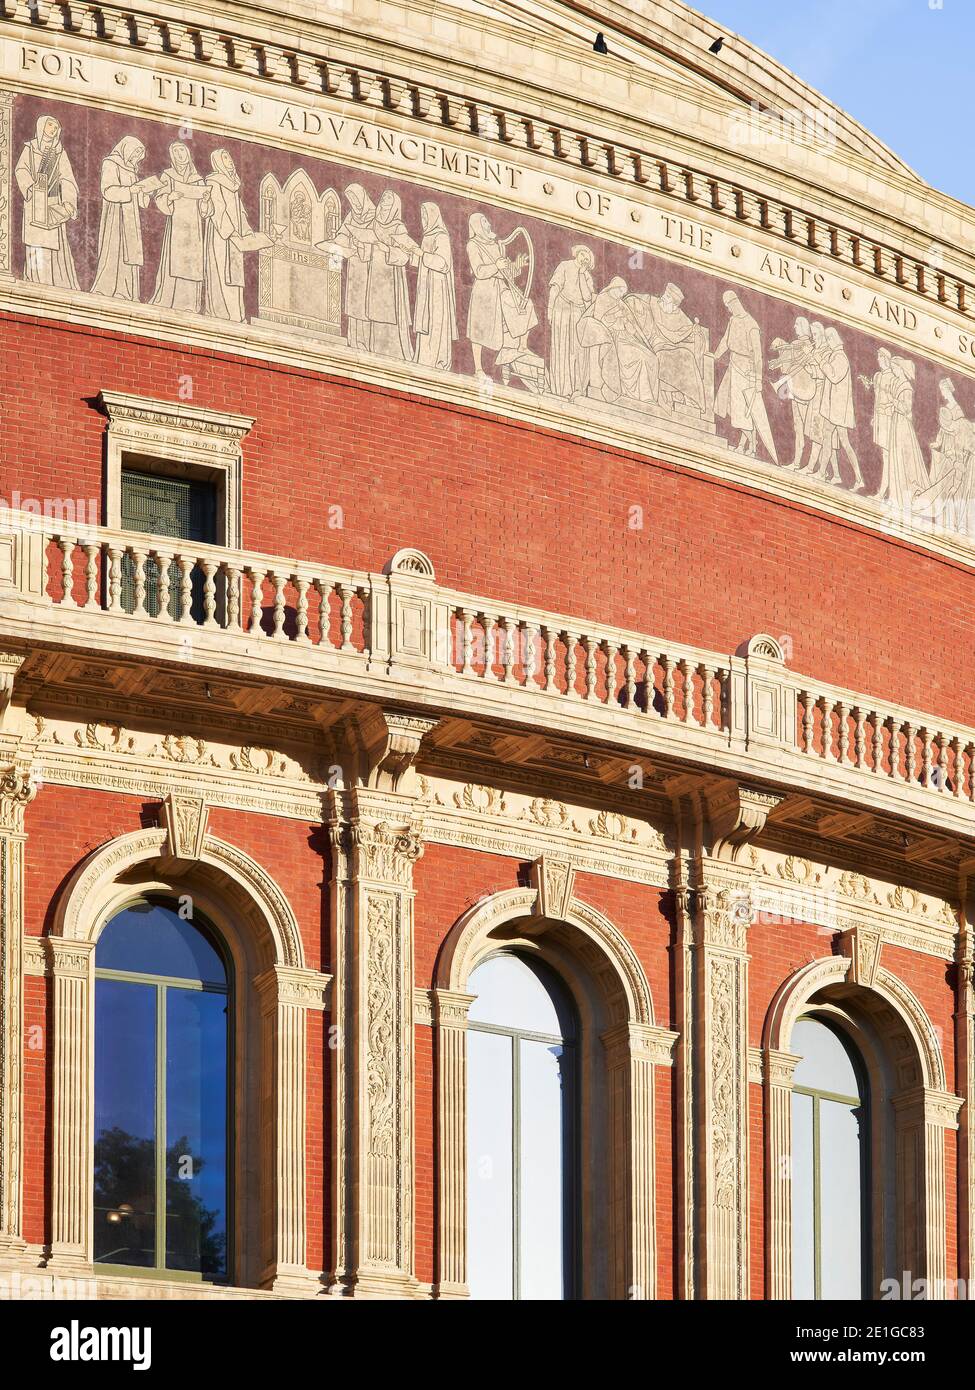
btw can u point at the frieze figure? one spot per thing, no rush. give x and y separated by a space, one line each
50 192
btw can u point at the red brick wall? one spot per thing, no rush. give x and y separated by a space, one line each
513 512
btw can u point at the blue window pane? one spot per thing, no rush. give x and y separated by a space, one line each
546 1170
125 1123
490 1175
516 993
196 1131
152 939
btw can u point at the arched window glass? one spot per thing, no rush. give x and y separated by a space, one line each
162 1048
521 1104
829 1166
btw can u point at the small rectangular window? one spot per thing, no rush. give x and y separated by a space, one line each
179 508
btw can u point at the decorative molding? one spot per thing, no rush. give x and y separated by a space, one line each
553 880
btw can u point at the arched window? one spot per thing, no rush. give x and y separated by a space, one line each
830 1207
521 1104
162 1049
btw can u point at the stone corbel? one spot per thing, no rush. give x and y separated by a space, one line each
736 815
385 746
184 819
863 945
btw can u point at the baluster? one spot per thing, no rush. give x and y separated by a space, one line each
707 695
878 741
278 582
970 750
629 676
301 633
467 618
570 665
927 760
91 576
346 592
185 604
531 653
895 748
590 647
489 626
114 579
688 673
67 571
551 637
209 593
668 670
724 697
808 720
509 651
162 562
233 598
911 752
826 751
611 650
139 559
959 766
257 604
943 763
860 737
650 684
843 710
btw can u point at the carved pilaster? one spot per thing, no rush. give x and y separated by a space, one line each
450 1046
286 994
723 912
633 1051
16 792
376 842
777 1073
922 1116
72 1112
965 1044
684 1156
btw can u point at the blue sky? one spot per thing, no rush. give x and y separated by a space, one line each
903 68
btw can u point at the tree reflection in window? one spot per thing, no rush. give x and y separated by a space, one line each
161 1066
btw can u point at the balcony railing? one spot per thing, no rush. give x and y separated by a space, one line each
399 635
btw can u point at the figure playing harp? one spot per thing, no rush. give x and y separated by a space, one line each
501 315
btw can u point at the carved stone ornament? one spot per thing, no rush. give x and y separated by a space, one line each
387 852
185 821
863 945
17 791
736 816
553 879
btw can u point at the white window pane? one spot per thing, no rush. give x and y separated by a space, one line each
490 1209
545 1169
510 994
803 1256
840 1196
825 1064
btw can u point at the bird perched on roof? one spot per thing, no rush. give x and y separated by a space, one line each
716 46
600 44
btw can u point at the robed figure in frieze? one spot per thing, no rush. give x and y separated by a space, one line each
739 397
228 237
570 293
881 385
184 200
435 306
50 192
124 198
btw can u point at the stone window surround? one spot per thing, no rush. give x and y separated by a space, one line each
274 992
175 438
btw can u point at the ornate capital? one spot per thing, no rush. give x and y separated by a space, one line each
778 1068
386 852
17 791
70 959
923 1105
286 984
640 1042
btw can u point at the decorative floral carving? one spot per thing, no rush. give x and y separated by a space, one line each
552 814
486 800
108 738
380 992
